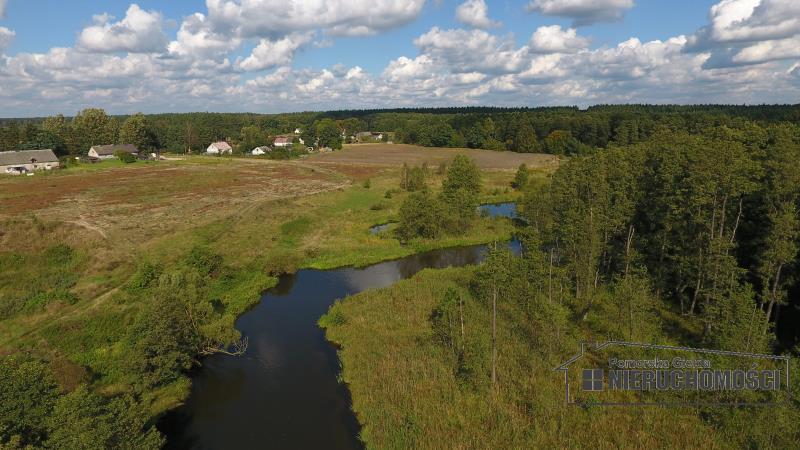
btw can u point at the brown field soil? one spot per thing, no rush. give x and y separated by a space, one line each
397 154
160 195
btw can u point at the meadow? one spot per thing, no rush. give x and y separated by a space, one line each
73 242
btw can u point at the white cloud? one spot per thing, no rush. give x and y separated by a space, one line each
582 12
475 13
275 18
196 38
403 69
737 21
472 50
743 32
139 32
200 70
553 39
6 37
275 53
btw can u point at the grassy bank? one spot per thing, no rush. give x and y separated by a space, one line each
406 393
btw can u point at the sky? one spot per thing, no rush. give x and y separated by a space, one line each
299 55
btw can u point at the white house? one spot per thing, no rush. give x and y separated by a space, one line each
219 148
108 151
261 151
297 131
282 141
25 161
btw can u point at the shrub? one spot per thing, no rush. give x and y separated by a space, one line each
125 157
205 261
379 206
145 275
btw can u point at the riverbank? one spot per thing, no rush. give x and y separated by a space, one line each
408 393
260 218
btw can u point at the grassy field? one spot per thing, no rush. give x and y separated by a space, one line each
406 393
69 240
397 154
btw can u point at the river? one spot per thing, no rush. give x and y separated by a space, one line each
283 393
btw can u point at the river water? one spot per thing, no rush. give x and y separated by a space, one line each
283 393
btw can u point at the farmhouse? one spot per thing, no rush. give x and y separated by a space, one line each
27 161
218 148
283 141
108 151
369 136
261 150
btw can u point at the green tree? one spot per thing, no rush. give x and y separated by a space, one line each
28 394
420 216
491 279
525 140
85 420
413 178
61 129
163 339
94 127
460 190
521 178
250 138
329 134
136 130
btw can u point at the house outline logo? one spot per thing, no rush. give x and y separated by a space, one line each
592 380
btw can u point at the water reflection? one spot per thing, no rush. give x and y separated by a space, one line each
379 228
507 209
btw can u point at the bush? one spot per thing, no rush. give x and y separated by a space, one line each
144 277
202 259
367 183
380 206
125 157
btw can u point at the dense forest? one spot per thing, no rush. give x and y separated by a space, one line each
557 130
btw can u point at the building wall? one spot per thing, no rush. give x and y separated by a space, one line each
32 167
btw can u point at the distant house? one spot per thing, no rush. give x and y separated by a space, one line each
283 141
369 136
218 148
25 161
261 150
297 131
108 151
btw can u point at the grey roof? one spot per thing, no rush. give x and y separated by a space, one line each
105 150
25 156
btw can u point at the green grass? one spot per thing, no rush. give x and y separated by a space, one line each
407 393
257 242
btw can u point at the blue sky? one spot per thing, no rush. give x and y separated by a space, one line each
289 55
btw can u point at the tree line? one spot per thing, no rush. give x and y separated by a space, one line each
558 130
693 238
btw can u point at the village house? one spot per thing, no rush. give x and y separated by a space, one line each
108 151
369 136
25 161
218 148
263 150
282 141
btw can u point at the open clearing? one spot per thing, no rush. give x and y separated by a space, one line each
397 154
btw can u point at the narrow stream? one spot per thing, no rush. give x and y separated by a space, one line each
283 393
